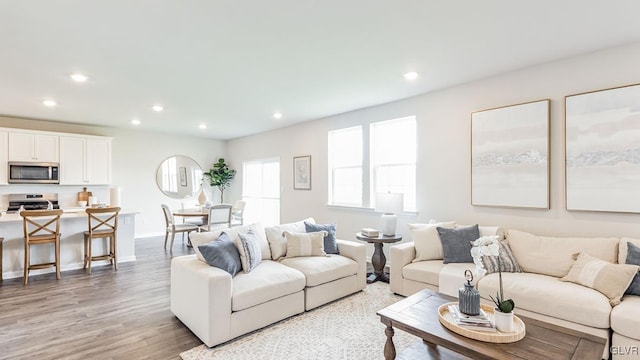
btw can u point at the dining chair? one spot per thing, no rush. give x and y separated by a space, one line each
41 227
173 228
219 215
237 213
102 224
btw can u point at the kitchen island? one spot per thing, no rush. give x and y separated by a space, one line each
72 225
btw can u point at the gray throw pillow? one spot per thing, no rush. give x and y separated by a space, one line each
456 243
222 253
633 258
330 243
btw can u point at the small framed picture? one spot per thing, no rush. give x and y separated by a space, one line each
302 172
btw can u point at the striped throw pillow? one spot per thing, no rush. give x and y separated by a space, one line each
250 252
305 244
508 262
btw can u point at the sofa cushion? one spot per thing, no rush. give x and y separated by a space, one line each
610 279
633 258
249 249
548 295
624 317
305 244
277 242
322 269
424 271
456 243
452 276
269 280
554 255
427 241
223 254
330 242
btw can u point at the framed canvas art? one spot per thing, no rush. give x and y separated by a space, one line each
510 156
302 172
602 157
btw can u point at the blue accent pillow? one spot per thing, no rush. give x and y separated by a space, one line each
633 258
330 243
456 243
222 253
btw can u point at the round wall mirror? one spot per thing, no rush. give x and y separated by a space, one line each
179 177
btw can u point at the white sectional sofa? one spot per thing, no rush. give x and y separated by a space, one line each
218 307
538 291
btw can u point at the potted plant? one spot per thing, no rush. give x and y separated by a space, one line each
490 246
220 175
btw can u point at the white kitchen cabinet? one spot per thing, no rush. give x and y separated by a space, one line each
85 160
24 146
4 156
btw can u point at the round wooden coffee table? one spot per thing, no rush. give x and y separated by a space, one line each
378 260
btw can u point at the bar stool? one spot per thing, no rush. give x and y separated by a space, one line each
41 227
103 223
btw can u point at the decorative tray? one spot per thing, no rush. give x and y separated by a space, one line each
493 337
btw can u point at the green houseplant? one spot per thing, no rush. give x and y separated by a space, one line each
220 175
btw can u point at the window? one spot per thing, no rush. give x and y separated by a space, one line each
391 160
261 191
345 166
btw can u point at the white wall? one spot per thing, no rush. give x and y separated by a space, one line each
443 175
136 155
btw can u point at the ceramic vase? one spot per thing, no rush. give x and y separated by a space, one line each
504 321
202 198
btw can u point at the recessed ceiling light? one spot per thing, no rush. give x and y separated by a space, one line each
49 103
411 75
135 122
157 108
277 115
202 126
79 77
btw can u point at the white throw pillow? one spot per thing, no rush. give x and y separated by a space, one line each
427 241
277 241
305 244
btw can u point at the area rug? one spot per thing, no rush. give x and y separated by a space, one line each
344 329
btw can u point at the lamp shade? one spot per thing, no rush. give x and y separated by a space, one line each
389 203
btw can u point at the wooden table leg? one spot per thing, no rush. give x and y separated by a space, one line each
389 347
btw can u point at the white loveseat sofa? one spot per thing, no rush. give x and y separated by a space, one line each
218 307
538 291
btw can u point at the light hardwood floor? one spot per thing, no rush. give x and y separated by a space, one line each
109 314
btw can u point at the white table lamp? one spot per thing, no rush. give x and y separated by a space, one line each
389 204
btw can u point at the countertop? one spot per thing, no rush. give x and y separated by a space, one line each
68 213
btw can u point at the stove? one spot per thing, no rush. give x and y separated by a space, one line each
32 202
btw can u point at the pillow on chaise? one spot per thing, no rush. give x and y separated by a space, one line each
222 253
633 258
305 244
456 243
205 237
249 248
427 241
330 243
508 262
610 279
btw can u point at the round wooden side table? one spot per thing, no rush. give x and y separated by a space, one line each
378 260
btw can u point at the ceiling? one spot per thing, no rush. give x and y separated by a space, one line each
232 64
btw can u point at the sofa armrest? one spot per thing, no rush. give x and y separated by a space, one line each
201 298
358 253
400 255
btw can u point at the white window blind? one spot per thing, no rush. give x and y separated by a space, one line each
261 191
345 166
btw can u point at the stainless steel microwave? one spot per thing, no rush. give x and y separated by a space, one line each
34 173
